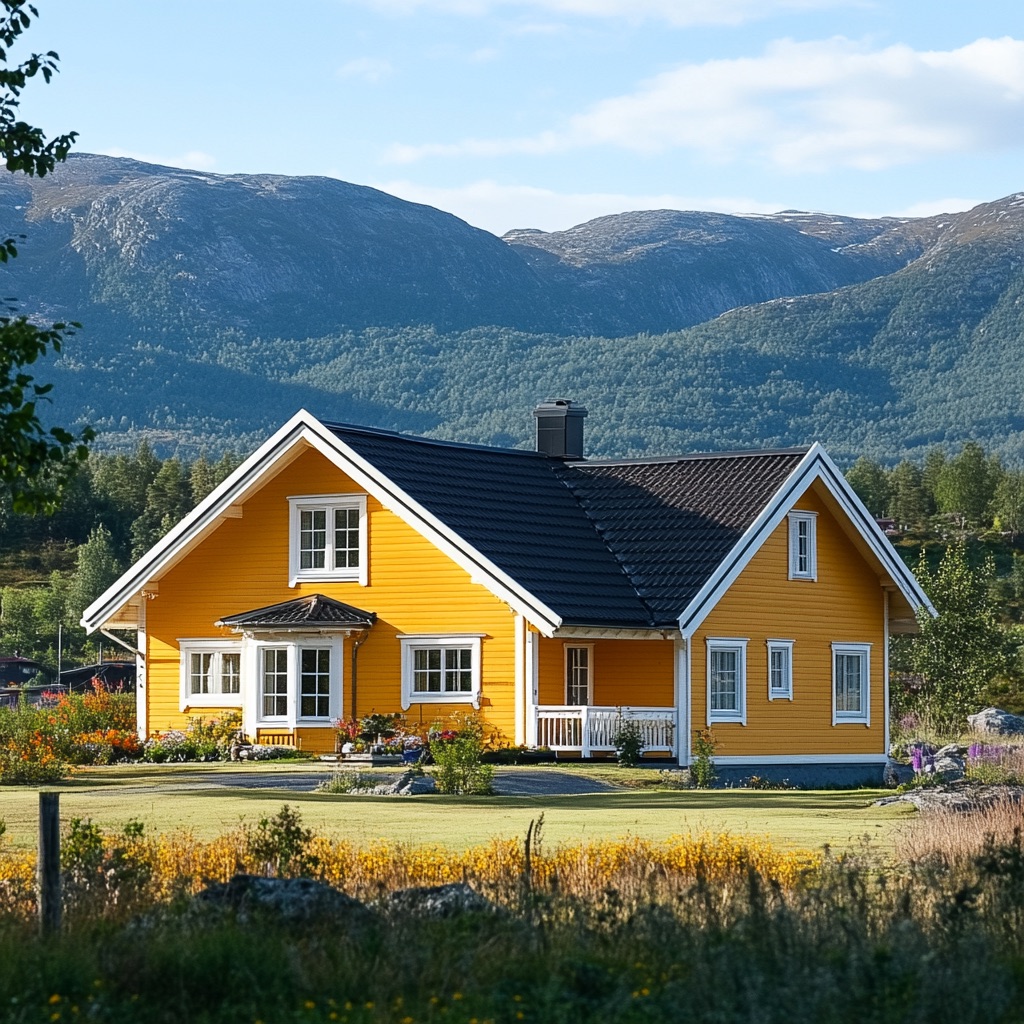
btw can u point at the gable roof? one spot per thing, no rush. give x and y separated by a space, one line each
635 544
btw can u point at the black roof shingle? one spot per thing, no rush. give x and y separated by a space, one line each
613 544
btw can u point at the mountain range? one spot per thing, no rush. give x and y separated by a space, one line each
214 305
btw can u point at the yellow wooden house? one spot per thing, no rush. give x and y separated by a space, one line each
342 570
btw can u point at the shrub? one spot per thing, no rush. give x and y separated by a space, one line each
702 767
458 759
629 742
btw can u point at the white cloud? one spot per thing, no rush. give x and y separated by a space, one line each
499 208
193 160
799 106
369 69
675 12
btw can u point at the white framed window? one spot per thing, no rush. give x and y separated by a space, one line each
727 680
327 538
851 683
440 669
579 679
314 682
803 546
274 683
780 669
211 674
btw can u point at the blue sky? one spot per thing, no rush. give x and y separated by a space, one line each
546 113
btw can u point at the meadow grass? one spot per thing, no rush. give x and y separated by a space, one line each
708 929
167 797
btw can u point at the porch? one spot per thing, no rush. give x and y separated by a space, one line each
588 729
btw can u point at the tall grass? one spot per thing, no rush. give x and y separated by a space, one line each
704 928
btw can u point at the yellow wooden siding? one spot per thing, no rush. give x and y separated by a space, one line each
844 604
625 672
412 587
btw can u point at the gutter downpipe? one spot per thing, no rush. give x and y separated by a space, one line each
356 644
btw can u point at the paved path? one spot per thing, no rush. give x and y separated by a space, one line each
507 782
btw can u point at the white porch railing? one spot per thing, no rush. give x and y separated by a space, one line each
588 729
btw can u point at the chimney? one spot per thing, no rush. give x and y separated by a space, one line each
560 428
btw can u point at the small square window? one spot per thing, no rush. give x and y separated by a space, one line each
328 538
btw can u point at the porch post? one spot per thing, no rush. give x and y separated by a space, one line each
681 739
530 662
584 730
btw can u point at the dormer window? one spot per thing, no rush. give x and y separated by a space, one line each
327 538
803 546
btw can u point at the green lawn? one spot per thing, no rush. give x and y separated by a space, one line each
168 797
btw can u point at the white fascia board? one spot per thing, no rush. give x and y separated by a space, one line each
815 465
481 570
190 529
303 426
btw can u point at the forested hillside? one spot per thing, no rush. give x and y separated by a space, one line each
215 306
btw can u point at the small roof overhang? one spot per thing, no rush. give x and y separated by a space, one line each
314 612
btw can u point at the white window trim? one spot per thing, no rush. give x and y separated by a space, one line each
738 644
329 502
413 641
294 645
811 519
862 717
189 700
787 646
590 672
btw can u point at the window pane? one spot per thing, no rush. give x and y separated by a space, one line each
346 538
199 673
849 683
577 675
275 682
230 673
724 680
315 683
780 670
426 675
313 538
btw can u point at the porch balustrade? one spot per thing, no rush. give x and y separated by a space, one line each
590 729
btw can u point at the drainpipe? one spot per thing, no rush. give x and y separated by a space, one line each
356 644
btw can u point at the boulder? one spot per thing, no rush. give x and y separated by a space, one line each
896 773
297 900
441 901
996 722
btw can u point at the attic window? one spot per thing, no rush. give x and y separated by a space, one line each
327 538
803 546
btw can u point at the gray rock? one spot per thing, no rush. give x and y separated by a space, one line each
297 900
996 722
896 773
951 750
948 767
441 901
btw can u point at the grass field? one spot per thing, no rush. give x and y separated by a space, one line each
170 797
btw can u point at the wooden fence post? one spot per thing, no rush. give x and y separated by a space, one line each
49 863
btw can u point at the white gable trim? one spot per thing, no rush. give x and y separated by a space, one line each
304 427
815 465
